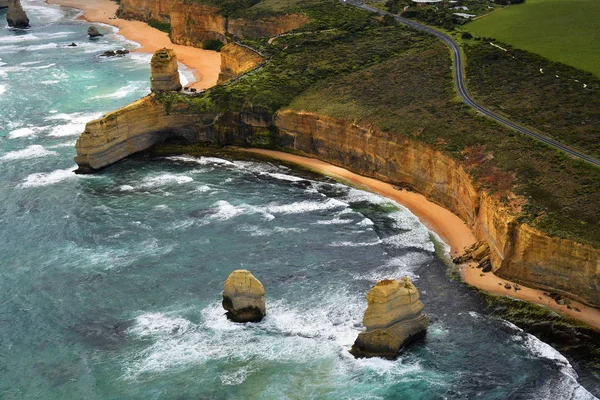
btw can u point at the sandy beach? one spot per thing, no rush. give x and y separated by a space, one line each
205 63
449 227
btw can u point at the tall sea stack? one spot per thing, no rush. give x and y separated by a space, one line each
165 74
244 297
393 319
16 16
3 4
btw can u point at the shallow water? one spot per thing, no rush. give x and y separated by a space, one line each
110 284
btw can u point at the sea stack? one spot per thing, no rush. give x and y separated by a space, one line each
393 319
16 16
93 32
165 74
244 297
3 4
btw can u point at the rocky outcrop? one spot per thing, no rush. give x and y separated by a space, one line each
133 128
16 16
517 251
394 318
3 3
194 23
235 60
164 71
244 297
145 10
93 32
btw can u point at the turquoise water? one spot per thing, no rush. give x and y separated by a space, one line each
110 284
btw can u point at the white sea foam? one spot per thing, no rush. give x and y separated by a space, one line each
136 87
566 387
2 89
355 244
76 125
33 151
164 179
306 206
48 178
26 132
26 63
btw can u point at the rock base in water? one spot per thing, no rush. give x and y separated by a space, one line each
244 297
16 16
393 319
93 32
165 74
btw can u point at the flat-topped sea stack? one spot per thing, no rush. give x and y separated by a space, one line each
393 319
16 16
165 74
244 297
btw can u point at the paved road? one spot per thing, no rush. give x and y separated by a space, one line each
459 79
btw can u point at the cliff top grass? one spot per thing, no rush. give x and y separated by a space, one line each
563 31
374 72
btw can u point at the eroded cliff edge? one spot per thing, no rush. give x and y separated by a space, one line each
192 24
519 252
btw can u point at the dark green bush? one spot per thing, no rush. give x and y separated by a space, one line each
161 26
213 44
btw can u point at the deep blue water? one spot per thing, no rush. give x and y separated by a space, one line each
110 284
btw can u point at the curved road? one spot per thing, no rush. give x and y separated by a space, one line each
459 79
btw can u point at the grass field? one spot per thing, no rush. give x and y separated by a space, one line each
567 31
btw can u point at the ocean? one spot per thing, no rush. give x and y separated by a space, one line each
110 284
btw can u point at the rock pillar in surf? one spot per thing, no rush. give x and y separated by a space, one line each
244 297
93 32
3 4
165 74
16 16
393 319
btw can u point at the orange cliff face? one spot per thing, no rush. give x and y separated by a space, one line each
518 252
192 24
235 60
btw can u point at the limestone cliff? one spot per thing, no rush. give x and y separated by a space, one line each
131 129
16 16
192 24
244 297
3 3
235 60
394 317
145 10
517 251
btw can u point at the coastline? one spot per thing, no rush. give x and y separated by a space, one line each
206 64
451 229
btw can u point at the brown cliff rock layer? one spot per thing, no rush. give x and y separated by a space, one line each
244 297
16 16
131 129
235 60
392 320
192 24
145 10
3 3
517 251
165 71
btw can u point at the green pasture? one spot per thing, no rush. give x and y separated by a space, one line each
567 31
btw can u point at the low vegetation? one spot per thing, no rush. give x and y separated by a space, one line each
161 26
559 100
563 31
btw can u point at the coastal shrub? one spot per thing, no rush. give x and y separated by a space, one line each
466 35
213 44
161 26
